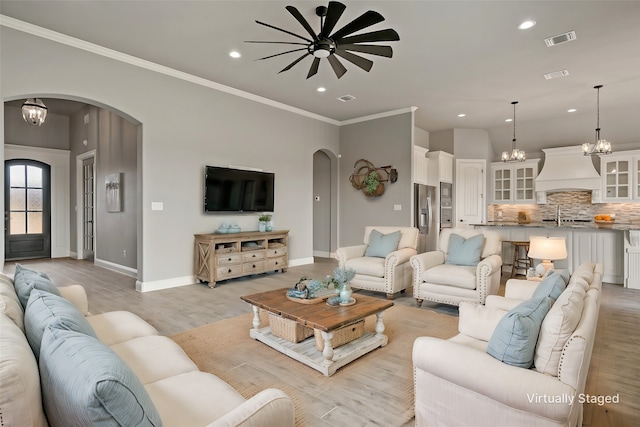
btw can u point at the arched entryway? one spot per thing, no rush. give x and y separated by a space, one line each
325 203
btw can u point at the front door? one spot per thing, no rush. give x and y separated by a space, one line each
27 204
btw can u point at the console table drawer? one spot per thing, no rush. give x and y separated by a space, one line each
229 271
278 252
276 263
229 259
253 256
253 267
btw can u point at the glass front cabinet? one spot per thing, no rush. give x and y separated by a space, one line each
621 176
514 182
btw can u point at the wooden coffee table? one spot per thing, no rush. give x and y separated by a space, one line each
326 320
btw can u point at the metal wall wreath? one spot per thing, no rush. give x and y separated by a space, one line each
370 179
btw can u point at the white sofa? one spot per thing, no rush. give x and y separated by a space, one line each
458 384
388 274
434 279
181 394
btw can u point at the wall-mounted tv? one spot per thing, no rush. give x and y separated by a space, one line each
237 190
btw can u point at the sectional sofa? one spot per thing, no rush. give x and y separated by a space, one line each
61 366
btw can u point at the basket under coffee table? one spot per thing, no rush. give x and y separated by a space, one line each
317 317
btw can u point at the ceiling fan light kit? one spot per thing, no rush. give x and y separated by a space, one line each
342 43
601 146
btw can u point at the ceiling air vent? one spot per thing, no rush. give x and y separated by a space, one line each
556 74
560 38
346 98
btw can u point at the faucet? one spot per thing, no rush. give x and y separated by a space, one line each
558 215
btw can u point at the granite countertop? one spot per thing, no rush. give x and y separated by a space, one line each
568 224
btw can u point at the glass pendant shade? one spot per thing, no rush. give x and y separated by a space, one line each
601 146
34 111
516 155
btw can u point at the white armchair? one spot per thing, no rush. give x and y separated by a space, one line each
390 274
435 280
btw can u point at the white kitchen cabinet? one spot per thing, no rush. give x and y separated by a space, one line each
621 176
440 167
514 182
603 246
420 165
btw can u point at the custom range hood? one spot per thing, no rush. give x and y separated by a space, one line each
567 169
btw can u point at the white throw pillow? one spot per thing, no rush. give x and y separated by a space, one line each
557 327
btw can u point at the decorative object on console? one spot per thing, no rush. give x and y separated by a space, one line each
34 111
547 249
516 154
325 44
370 179
264 223
601 146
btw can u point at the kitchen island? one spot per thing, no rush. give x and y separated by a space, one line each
585 242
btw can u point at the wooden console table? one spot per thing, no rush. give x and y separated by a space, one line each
225 256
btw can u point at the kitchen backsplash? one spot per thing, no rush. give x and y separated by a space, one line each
573 205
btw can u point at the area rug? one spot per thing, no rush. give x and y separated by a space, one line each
376 389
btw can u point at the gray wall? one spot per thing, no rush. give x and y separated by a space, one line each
384 141
229 130
54 132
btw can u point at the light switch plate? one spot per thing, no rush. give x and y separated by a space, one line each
397 207
157 206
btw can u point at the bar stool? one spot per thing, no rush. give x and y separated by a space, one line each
520 258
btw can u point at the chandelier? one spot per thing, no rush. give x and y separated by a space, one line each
601 146
34 111
516 155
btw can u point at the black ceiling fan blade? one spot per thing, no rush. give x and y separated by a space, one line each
314 67
337 66
284 31
288 67
365 20
372 49
296 14
259 41
282 53
361 62
334 12
387 35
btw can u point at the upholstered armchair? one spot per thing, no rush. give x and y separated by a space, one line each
456 272
380 264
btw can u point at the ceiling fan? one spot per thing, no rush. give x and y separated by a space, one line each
340 43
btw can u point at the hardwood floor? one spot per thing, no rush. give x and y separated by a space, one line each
615 363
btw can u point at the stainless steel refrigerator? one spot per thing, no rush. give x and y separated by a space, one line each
425 204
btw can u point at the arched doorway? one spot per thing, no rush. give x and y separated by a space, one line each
325 204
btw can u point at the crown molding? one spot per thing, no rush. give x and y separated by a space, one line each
55 36
378 116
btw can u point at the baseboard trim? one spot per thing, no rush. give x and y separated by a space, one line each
127 271
300 261
156 285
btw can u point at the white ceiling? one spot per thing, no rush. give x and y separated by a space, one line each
453 57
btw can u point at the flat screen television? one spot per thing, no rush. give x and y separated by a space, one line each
237 190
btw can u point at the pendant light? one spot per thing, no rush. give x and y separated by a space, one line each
516 155
34 111
601 146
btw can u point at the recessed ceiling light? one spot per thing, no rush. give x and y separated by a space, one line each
462 115
508 120
322 89
571 110
235 54
525 25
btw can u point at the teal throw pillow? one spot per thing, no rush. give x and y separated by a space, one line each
514 339
25 280
464 251
84 383
381 245
551 286
42 309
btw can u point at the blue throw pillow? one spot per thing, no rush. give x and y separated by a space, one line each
515 337
551 286
42 309
25 280
84 383
381 245
464 251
